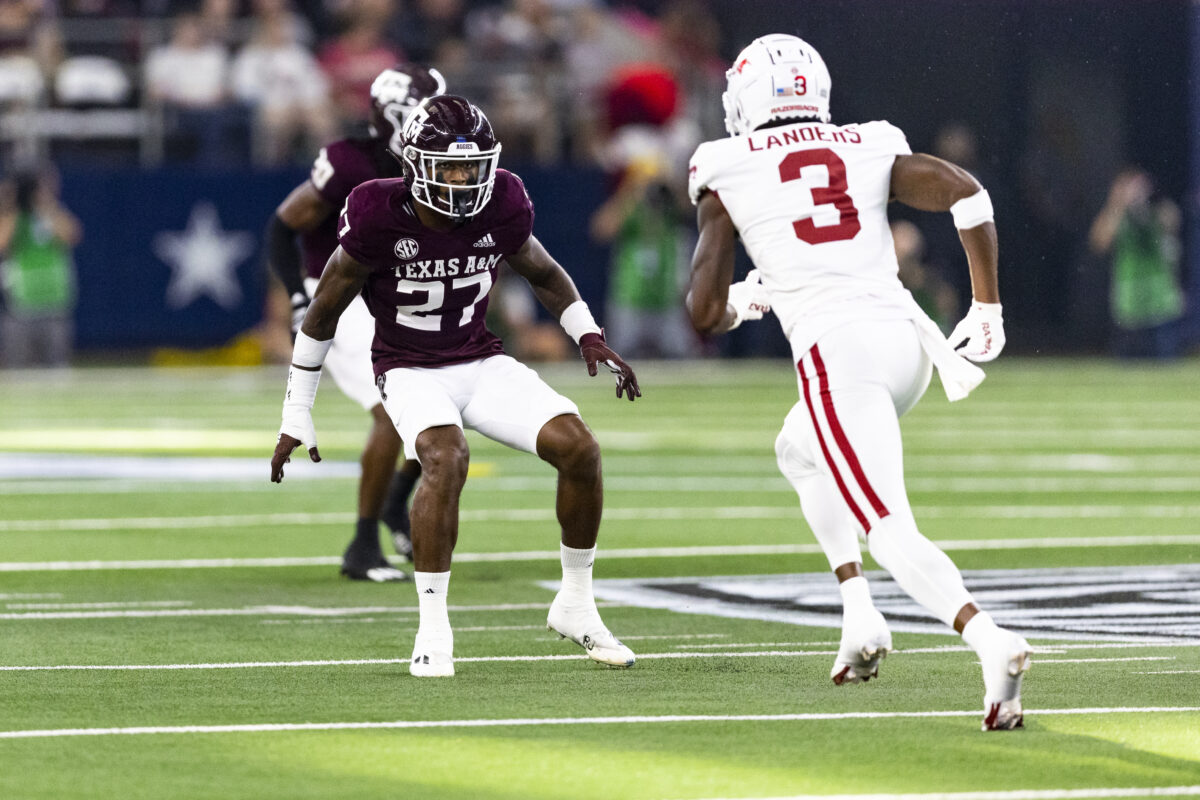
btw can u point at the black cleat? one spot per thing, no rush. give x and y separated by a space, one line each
361 566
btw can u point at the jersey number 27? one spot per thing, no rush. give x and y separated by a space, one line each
833 194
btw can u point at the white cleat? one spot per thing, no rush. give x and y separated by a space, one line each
431 660
1004 665
866 641
586 629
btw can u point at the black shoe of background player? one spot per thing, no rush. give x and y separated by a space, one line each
363 564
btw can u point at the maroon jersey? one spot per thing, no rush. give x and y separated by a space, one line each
428 290
338 168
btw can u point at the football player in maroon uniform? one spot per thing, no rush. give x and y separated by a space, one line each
424 251
302 235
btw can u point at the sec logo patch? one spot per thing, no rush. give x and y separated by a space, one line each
406 248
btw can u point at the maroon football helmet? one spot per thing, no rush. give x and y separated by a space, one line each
450 155
394 94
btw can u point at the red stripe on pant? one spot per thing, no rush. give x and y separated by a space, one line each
843 444
837 476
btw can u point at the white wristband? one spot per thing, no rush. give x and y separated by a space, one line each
972 211
577 320
995 309
308 352
301 388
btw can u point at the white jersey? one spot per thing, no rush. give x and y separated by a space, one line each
810 203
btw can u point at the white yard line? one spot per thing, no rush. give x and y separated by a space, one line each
632 552
547 514
263 611
83 606
547 721
524 658
1021 794
1041 661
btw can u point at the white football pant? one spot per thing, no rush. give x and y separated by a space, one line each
841 449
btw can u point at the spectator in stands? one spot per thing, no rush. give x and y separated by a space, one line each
287 91
220 21
690 39
30 50
301 28
1141 232
598 42
189 77
353 59
37 272
647 219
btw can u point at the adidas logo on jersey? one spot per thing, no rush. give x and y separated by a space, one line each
486 241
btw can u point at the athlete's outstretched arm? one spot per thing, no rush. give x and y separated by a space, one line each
931 184
712 268
556 291
342 279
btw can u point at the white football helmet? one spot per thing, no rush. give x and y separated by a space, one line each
775 77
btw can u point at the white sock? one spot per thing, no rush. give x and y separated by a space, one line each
856 595
980 631
922 570
432 588
577 574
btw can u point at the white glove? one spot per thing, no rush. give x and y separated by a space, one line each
298 423
297 428
748 299
980 335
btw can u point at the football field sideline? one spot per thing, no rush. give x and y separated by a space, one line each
615 553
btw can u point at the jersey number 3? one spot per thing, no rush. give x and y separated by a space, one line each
833 194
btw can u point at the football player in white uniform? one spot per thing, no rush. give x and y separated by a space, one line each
809 201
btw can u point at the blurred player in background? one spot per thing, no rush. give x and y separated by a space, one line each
809 200
302 235
425 251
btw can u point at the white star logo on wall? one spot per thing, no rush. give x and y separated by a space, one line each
203 259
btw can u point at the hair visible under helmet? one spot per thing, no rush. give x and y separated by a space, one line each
443 133
395 93
775 77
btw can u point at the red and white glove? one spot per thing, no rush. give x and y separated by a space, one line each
748 299
980 335
594 351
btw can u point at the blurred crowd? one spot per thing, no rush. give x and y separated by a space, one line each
628 86
265 81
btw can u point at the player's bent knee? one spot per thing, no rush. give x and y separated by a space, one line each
569 445
788 456
444 456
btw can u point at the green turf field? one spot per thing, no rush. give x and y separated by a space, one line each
172 624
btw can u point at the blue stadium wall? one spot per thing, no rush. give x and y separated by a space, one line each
135 294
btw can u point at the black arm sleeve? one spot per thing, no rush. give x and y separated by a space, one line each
283 255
